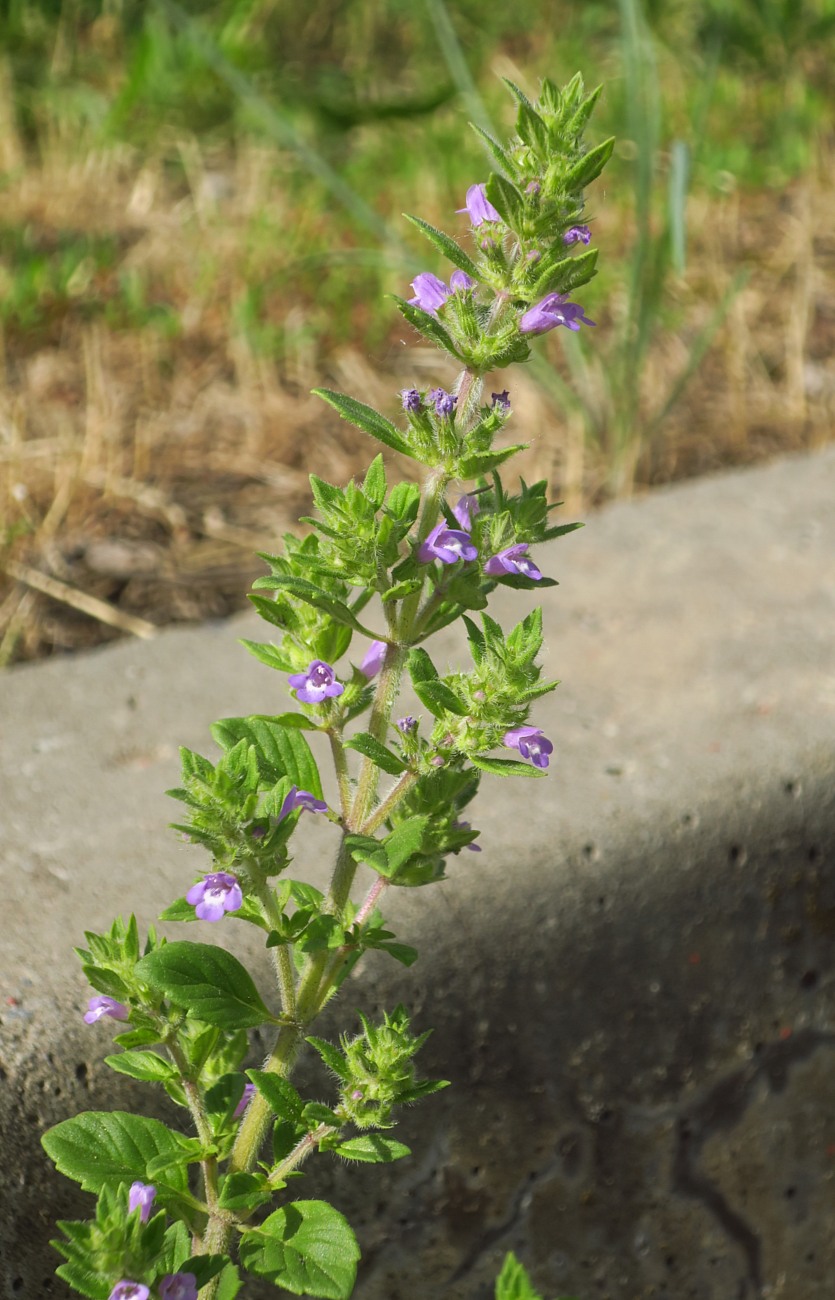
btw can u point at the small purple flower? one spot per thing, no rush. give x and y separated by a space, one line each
430 292
577 234
449 545
105 1006
406 724
460 825
246 1098
356 1095
512 560
178 1286
444 401
373 659
533 256
460 282
129 1291
215 894
465 510
301 799
531 744
488 245
478 206
317 684
501 399
141 1198
410 397
533 187
553 310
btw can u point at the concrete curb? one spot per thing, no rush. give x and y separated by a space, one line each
644 1100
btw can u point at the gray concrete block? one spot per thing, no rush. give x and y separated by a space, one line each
632 985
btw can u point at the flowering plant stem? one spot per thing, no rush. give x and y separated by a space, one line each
429 561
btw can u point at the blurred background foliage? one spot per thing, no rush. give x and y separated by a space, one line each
201 215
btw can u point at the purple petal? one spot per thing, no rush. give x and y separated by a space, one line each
246 1098
553 310
465 510
577 234
141 1198
410 397
430 292
178 1286
105 1006
373 660
478 206
129 1291
461 282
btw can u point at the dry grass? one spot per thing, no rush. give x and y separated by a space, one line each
141 469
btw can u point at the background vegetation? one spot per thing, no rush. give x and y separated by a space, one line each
201 213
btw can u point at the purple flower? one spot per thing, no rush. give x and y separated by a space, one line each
512 560
217 893
551 311
406 724
105 1006
533 187
317 684
410 397
246 1098
301 799
501 399
460 825
460 282
178 1286
444 401
449 545
531 744
430 292
577 234
129 1291
141 1198
478 206
373 660
465 510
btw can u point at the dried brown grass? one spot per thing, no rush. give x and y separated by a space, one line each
140 472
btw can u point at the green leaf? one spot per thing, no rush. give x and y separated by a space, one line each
513 1282
374 483
148 1066
307 1247
311 595
590 166
450 249
500 154
208 982
364 848
315 1113
403 589
476 465
404 841
402 952
281 750
365 418
280 1096
439 699
230 1283
332 1057
506 199
364 743
566 274
204 1268
264 651
506 766
421 667
241 1191
105 1148
429 327
372 1149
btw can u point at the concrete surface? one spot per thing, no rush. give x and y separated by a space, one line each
632 986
